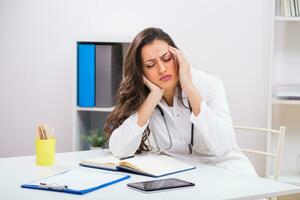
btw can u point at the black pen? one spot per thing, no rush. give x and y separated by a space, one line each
123 158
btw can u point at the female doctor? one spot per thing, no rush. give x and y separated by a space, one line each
163 105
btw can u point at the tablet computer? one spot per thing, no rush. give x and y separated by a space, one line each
162 184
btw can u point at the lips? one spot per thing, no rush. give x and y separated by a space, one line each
165 78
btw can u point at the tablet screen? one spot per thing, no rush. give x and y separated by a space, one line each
160 184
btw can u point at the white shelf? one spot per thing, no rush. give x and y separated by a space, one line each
283 82
290 177
97 109
287 102
287 19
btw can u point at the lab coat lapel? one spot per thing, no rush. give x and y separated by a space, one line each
164 106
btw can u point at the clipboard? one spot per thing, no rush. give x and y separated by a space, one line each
76 181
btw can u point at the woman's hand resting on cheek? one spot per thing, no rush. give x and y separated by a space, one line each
155 91
184 69
154 97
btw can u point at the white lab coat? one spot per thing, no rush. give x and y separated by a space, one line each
214 138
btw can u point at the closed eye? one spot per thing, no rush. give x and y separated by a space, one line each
167 58
150 65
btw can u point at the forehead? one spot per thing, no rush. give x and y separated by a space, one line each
155 49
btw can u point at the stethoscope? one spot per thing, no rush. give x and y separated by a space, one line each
169 135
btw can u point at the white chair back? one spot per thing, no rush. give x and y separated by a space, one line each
276 155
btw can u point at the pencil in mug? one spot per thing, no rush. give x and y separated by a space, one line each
38 133
44 132
41 132
42 136
49 132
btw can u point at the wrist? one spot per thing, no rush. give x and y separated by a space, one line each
155 97
190 89
146 109
195 100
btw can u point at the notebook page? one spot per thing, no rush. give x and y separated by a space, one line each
80 179
106 161
158 164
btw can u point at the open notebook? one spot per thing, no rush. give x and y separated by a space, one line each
76 181
148 165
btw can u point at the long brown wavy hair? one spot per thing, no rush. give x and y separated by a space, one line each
132 92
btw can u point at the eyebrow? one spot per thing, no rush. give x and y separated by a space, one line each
160 57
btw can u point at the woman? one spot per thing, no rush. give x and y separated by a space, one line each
164 105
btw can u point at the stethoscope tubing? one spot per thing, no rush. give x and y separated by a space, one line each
165 121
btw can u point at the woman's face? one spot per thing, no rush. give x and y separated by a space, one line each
159 65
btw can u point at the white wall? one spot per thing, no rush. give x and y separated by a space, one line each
38 56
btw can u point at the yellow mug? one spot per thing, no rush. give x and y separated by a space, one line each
45 151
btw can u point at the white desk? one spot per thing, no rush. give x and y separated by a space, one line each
211 183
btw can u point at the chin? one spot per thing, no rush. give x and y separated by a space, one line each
168 85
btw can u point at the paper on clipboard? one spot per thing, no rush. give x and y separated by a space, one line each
77 181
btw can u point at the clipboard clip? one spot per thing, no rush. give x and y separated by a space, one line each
53 186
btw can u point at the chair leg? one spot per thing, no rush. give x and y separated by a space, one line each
273 198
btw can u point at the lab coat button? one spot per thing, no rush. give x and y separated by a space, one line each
178 115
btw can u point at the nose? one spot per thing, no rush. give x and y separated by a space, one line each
161 68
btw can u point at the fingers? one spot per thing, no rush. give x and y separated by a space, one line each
178 53
144 79
177 57
147 81
152 86
175 51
